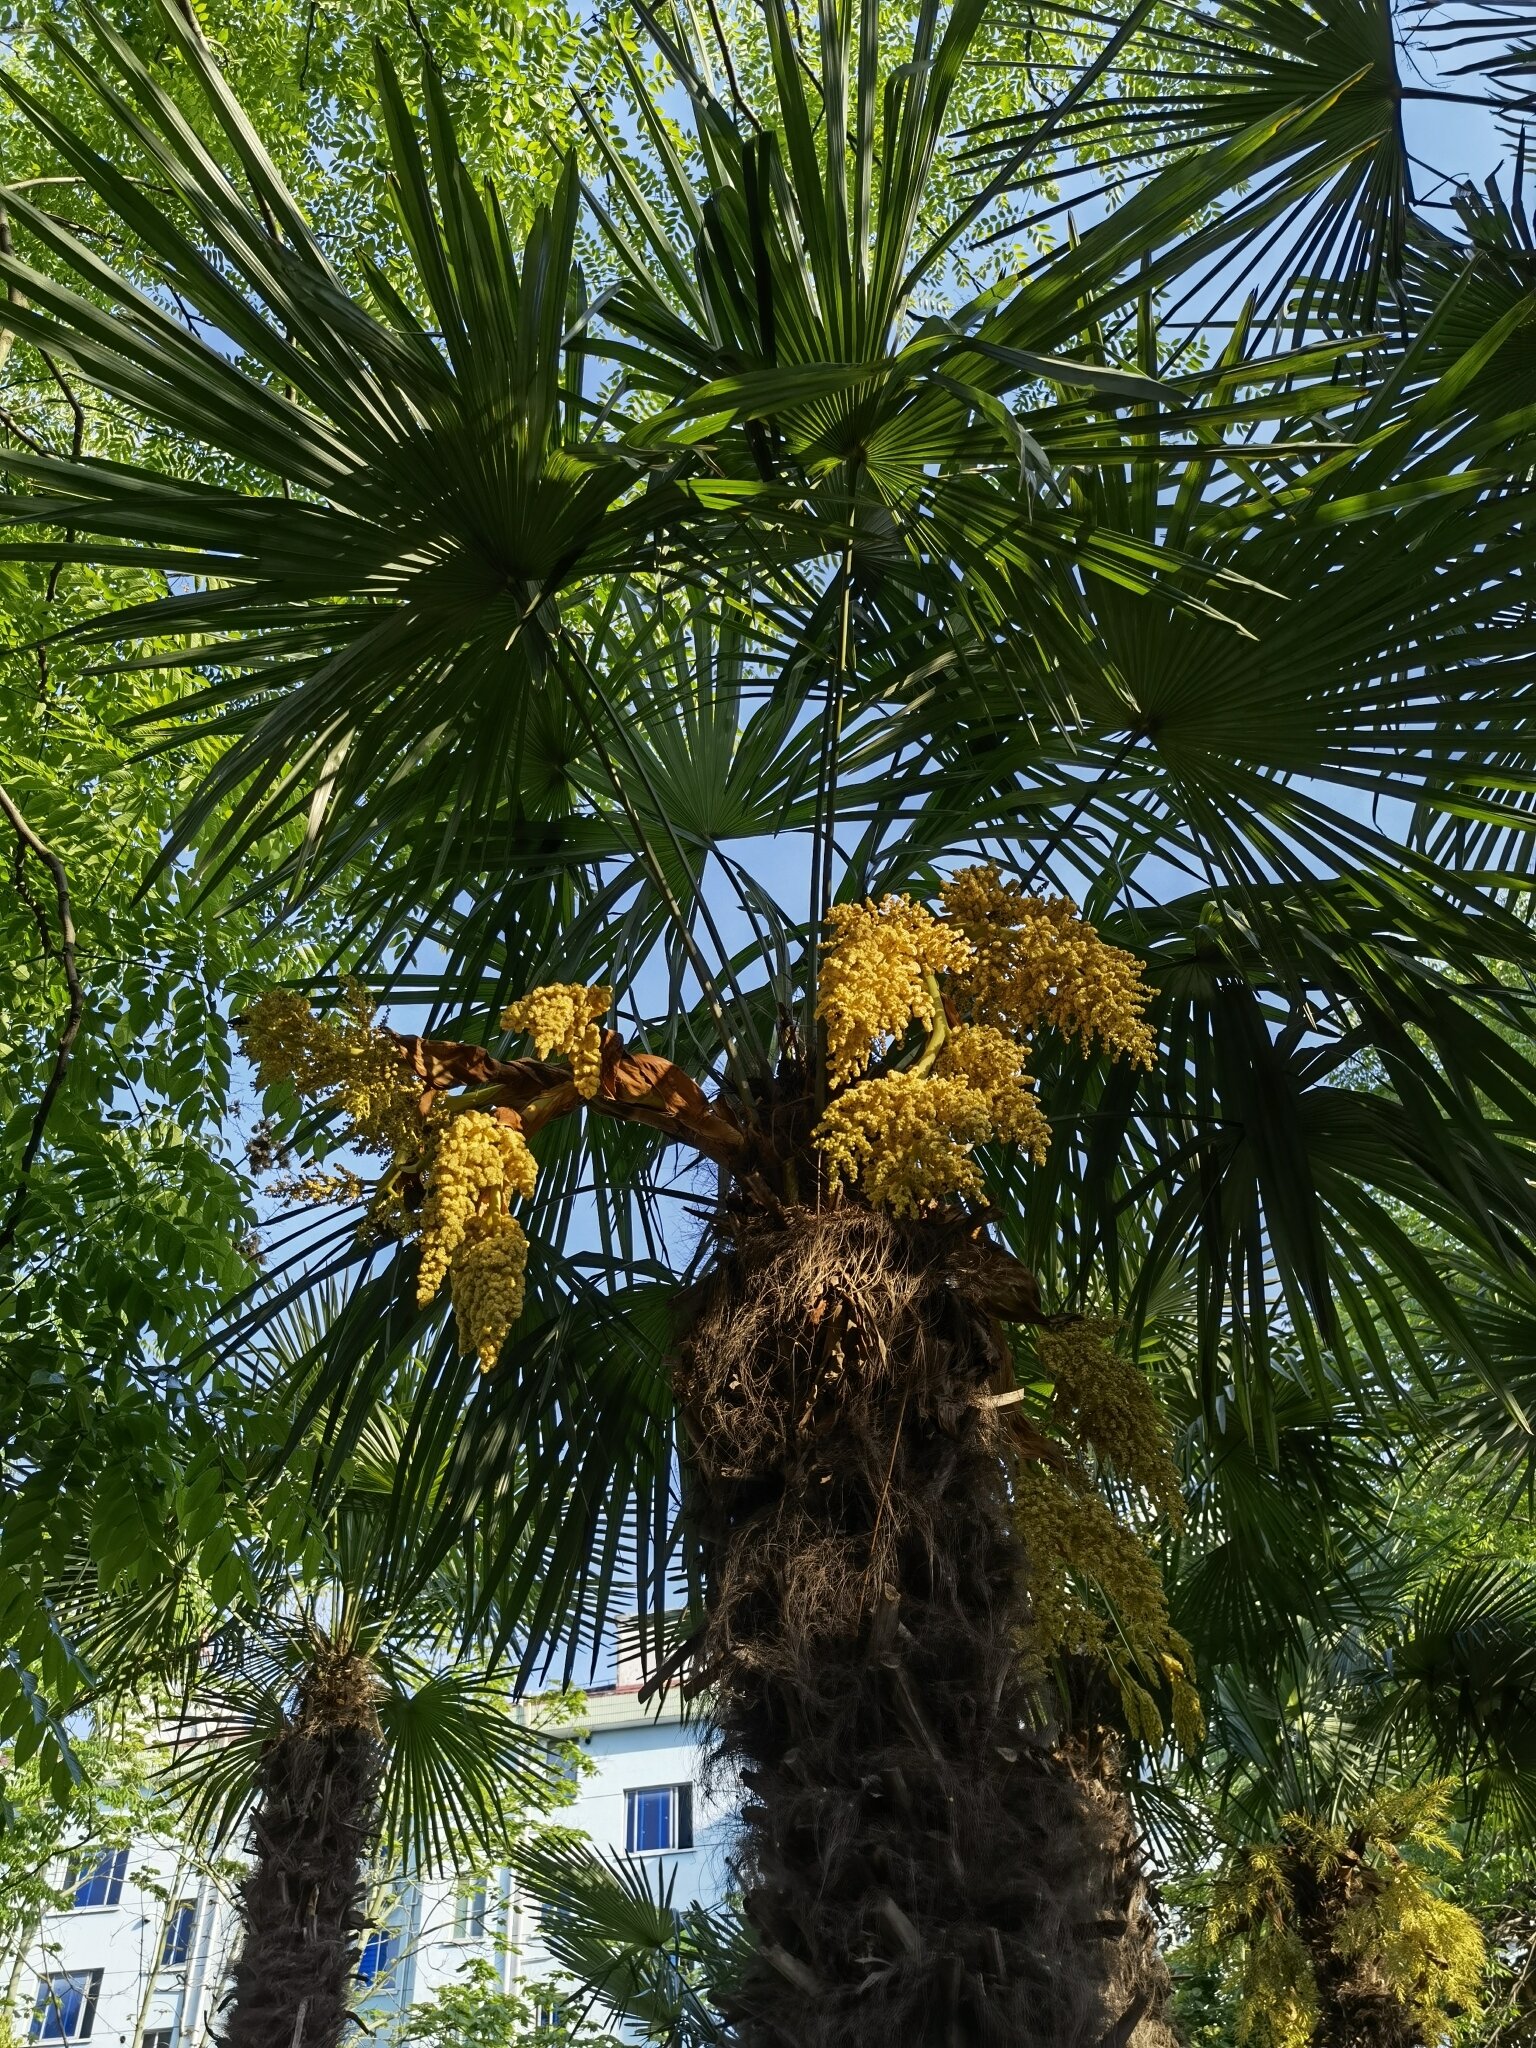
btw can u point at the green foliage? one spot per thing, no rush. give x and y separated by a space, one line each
479 652
610 1925
465 1761
476 2012
115 1801
305 74
1204 2008
113 1805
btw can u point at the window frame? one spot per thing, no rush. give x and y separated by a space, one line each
472 1912
679 1823
385 1939
47 2005
182 1915
86 1868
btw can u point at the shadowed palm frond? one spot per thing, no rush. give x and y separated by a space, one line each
609 1923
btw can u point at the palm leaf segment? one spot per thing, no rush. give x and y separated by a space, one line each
445 491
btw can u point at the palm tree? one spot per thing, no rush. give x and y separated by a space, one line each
1370 1703
1363 1697
335 1713
548 615
1347 1940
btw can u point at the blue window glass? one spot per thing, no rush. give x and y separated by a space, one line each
378 1956
648 1823
177 1946
95 1876
658 1817
66 2006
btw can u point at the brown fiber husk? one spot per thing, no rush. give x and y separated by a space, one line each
924 1858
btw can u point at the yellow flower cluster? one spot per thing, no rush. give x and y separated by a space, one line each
1367 1904
1278 2005
978 980
474 1164
992 1064
1073 1538
470 1164
1034 961
487 1280
345 1064
877 977
1104 1403
906 1139
564 1018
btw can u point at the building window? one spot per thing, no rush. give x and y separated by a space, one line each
95 1876
658 1817
158 2037
66 2006
177 1946
471 1910
378 1957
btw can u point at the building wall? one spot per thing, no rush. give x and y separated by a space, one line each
136 1998
628 1746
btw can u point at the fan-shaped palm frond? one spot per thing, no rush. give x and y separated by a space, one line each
610 1924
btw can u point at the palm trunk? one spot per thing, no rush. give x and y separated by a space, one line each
1141 1986
304 1903
921 1864
1356 2007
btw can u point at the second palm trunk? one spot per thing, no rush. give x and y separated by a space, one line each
922 1862
312 1832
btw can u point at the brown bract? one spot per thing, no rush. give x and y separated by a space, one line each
637 1087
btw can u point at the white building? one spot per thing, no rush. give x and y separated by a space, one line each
141 1958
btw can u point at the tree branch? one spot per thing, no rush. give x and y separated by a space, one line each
30 843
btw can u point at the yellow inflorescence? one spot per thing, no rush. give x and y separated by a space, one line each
906 1139
318 1187
474 1165
487 1280
978 979
1105 1402
875 977
564 1018
1072 1535
468 1165
1367 1904
1034 961
993 1064
347 1064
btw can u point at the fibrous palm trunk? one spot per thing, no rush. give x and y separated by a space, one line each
1356 2008
922 1862
304 1903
